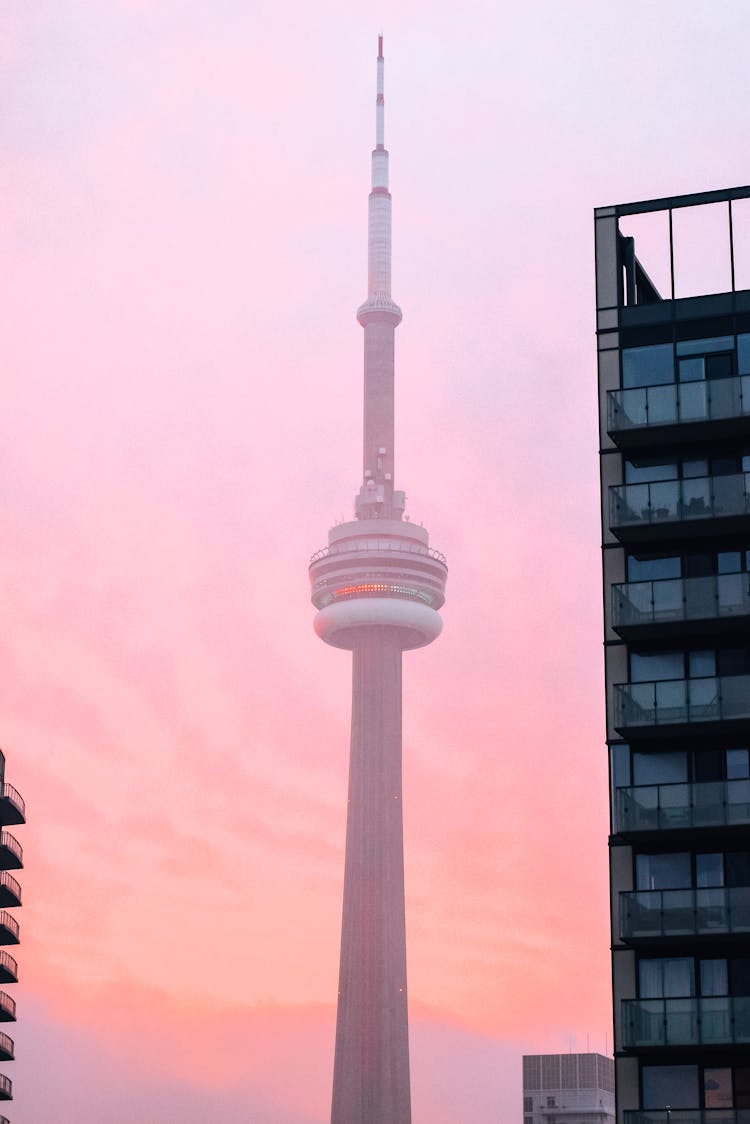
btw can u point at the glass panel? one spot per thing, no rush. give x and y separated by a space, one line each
696 498
732 594
724 398
673 1085
693 401
743 354
701 663
729 561
663 872
728 494
647 366
681 1021
656 665
704 346
645 471
645 568
713 975
700 598
620 765
659 768
739 975
667 599
696 466
709 870
661 405
665 977
691 370
717 1087
738 765
737 868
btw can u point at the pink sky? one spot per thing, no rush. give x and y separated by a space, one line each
184 188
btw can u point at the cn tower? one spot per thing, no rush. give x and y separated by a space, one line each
377 587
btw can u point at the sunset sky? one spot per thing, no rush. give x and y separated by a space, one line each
184 186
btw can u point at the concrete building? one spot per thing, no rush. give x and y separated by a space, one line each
377 587
568 1089
673 328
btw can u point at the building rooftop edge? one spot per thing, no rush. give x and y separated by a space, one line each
673 202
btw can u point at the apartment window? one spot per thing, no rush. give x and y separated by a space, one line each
663 872
665 977
673 1085
713 977
660 768
717 1087
648 366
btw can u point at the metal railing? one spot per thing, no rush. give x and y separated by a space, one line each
379 546
12 794
8 964
9 923
8 882
7 1004
678 501
6 1087
669 702
665 807
11 844
674 403
677 600
708 1020
687 1116
6 1046
707 911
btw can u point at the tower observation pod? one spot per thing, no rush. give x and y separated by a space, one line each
377 587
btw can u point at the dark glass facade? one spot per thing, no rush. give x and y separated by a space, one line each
674 411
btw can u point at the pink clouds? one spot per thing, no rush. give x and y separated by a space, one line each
184 188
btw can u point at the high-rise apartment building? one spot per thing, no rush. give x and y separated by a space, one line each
378 587
12 811
673 331
568 1089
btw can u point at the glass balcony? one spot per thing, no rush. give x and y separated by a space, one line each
675 807
707 1021
664 504
676 405
687 1116
678 601
646 914
679 702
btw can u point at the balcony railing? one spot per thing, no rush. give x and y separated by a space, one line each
10 890
680 600
6 1088
673 807
645 914
12 797
676 702
666 502
706 1021
687 1116
11 851
678 403
7 1007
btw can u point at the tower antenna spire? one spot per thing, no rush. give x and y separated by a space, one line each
379 315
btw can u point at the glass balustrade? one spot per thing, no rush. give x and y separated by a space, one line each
676 600
682 701
675 403
645 914
665 807
709 1020
677 501
687 1116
